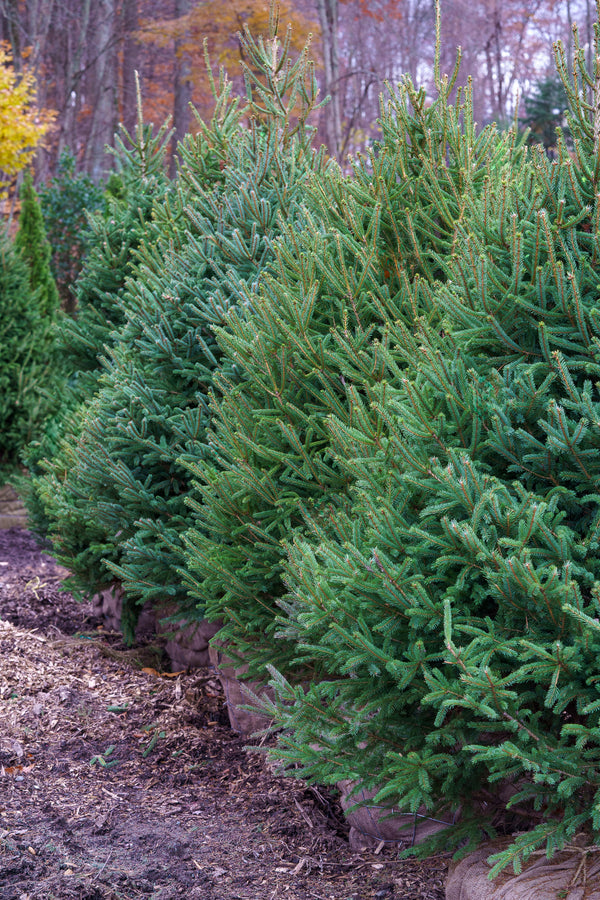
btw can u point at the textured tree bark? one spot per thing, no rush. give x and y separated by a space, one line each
131 64
104 91
182 87
328 18
11 29
72 85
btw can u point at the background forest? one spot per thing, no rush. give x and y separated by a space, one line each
84 55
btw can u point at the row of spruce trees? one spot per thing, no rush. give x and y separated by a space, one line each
354 417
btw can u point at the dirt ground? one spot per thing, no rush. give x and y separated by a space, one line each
122 781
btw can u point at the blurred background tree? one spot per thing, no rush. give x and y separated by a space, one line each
545 112
32 241
87 54
65 202
23 126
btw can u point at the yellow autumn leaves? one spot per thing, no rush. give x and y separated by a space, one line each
22 125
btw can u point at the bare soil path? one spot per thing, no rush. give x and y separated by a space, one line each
121 781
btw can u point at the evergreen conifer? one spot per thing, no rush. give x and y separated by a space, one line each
545 112
388 403
20 355
455 605
315 339
31 240
240 176
30 373
65 202
117 231
56 507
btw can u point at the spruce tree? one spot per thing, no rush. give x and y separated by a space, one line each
351 270
545 112
241 175
66 200
116 234
56 507
455 606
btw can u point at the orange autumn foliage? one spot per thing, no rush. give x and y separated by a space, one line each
382 10
219 24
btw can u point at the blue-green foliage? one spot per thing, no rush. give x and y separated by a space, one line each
323 331
454 607
357 419
56 502
240 177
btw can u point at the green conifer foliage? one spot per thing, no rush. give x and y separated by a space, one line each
20 354
545 112
240 176
351 273
36 251
455 606
56 503
65 202
30 379
116 234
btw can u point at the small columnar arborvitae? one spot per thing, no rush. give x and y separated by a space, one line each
33 244
21 367
30 368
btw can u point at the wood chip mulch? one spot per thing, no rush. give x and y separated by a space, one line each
119 780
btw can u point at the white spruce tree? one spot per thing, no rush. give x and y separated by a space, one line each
351 272
455 606
57 503
240 177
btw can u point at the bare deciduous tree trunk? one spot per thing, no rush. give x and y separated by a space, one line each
73 64
131 63
12 28
85 54
182 87
103 99
328 18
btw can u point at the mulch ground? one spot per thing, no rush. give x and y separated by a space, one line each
120 780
